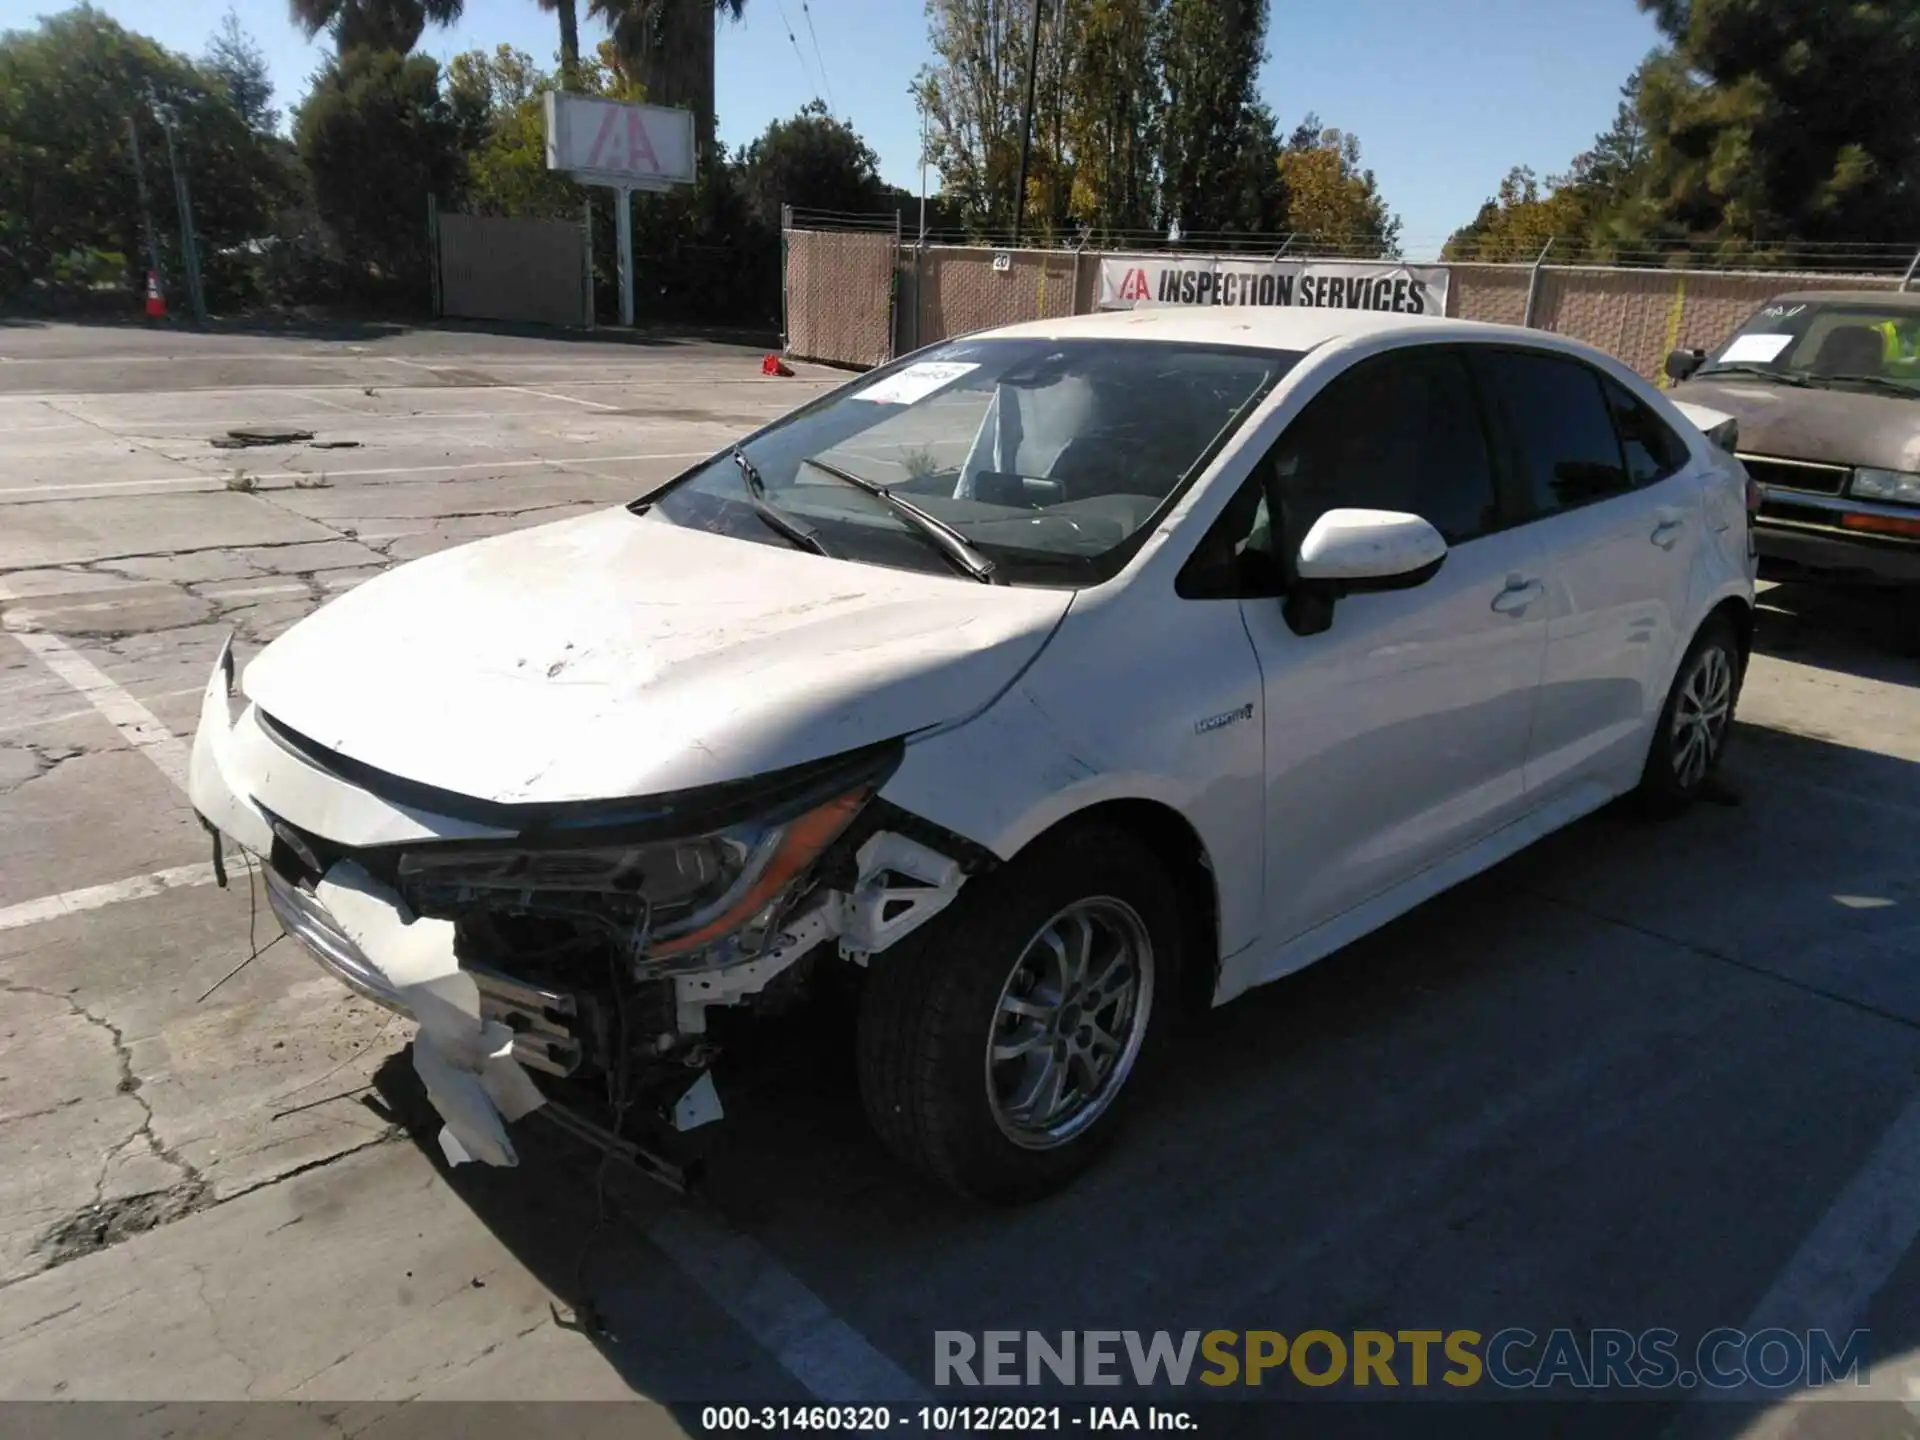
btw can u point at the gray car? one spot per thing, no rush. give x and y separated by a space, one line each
1825 387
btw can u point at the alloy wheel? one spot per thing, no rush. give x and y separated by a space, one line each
1700 715
1069 1022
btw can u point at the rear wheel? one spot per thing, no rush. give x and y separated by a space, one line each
1694 724
1906 620
998 1043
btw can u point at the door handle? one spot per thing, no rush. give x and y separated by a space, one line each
1518 595
1666 534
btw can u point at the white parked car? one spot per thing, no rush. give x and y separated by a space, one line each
1030 684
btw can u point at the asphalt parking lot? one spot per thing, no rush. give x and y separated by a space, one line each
1645 1075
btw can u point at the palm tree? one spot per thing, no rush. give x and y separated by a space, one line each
668 44
373 24
569 39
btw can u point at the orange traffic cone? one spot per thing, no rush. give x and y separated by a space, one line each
156 302
774 365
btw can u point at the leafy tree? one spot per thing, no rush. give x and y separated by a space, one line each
1762 121
1111 112
374 24
1333 204
974 97
667 45
1144 114
497 107
1618 158
1517 223
811 161
235 59
67 186
1254 199
1774 118
1208 54
378 138
1587 212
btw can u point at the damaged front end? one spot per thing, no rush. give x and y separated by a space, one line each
565 956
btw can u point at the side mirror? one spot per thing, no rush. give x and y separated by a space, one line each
1351 552
1682 363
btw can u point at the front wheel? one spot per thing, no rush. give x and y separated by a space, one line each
1694 724
998 1042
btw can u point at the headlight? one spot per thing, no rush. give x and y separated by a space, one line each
1899 486
692 891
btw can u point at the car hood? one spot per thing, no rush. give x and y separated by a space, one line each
1841 427
613 655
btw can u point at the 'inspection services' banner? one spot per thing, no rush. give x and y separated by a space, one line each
1138 282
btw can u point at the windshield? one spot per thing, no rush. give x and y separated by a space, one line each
1839 344
1049 459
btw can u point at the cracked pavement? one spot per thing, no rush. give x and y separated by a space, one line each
129 1104
1618 1081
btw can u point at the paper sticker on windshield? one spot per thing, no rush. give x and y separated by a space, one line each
916 382
1754 349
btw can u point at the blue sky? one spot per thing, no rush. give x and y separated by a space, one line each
1445 95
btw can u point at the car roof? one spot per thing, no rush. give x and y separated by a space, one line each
1889 299
1271 327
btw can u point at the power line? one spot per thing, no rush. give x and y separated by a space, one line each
807 11
806 70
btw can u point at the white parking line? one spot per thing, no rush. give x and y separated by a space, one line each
782 1315
1828 1284
160 587
1848 1256
67 715
248 592
93 897
136 724
772 1305
57 491
522 389
570 399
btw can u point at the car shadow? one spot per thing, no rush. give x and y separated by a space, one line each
1528 1102
1855 631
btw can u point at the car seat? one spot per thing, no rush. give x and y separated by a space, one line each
1850 350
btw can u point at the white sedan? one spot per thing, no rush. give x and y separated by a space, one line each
1028 686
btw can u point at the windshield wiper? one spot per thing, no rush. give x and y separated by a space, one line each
1879 381
1759 372
949 541
772 516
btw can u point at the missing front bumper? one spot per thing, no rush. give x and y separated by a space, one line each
543 1021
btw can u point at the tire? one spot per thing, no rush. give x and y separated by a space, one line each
1906 621
985 968
1691 736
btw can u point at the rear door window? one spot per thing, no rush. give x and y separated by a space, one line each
1652 451
1559 431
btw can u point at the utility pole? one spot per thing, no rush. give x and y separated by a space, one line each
146 206
1026 124
183 201
923 170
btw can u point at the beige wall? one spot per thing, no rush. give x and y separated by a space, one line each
836 288
1638 315
509 269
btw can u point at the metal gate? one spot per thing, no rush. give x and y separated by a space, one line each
537 271
839 294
